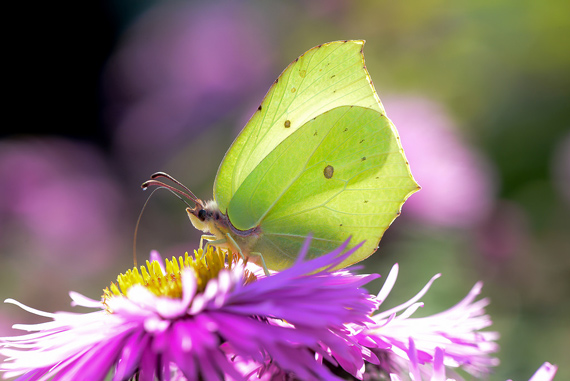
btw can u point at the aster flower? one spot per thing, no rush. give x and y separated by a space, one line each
203 319
207 319
425 346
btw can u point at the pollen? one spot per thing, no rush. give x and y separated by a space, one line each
168 284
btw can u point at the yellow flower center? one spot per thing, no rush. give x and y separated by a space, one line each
207 266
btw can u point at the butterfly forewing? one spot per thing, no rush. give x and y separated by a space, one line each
325 77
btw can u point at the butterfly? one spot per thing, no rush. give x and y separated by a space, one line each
318 158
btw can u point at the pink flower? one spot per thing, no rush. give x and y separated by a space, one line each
192 319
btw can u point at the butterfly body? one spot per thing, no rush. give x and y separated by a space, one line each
209 219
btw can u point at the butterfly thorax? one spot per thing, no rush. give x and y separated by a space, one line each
209 219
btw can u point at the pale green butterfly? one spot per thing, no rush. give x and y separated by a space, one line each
318 158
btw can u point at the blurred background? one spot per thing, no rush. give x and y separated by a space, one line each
102 94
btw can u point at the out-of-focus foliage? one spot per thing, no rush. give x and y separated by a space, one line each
106 95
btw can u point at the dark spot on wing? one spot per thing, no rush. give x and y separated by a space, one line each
316 133
332 76
287 123
346 129
259 108
361 141
363 158
366 201
293 89
329 171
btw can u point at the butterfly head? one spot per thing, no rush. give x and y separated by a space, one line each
204 216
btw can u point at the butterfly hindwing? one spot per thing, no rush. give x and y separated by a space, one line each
342 174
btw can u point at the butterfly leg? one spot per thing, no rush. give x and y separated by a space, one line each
265 269
208 238
230 239
210 241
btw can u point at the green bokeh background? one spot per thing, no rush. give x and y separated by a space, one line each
500 68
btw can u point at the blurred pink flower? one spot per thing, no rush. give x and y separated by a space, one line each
504 233
180 68
58 202
457 181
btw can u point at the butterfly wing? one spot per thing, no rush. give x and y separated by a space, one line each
325 77
342 174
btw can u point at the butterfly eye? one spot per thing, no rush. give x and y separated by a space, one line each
202 214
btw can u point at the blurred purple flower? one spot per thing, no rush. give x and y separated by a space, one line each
457 181
180 68
421 345
58 201
197 321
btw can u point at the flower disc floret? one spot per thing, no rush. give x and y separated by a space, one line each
166 280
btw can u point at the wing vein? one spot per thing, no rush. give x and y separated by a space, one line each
286 189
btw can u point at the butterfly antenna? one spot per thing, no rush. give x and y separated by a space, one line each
173 190
169 177
137 228
160 185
